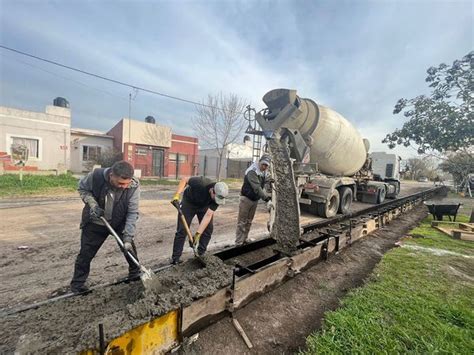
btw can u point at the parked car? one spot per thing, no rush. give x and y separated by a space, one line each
423 179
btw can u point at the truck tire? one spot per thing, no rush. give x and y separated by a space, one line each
346 197
381 195
396 185
329 209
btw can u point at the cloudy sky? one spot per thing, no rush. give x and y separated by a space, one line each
358 57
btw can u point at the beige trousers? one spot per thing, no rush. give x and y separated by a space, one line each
247 209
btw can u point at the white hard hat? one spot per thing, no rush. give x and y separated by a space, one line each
222 190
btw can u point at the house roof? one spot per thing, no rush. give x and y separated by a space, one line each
90 132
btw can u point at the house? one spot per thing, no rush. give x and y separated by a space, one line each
55 147
47 136
86 146
154 150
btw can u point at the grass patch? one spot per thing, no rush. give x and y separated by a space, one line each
11 186
152 182
414 302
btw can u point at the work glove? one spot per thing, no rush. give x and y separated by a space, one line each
96 211
127 242
267 198
196 238
270 180
175 198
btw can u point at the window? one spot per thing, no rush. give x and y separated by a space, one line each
90 152
182 157
141 151
31 144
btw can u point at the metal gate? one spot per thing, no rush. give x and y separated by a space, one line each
157 162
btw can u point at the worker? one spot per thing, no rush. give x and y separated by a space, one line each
201 197
257 177
112 193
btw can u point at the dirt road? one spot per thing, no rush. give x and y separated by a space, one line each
49 228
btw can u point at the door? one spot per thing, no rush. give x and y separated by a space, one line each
157 162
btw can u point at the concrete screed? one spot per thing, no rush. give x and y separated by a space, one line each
71 325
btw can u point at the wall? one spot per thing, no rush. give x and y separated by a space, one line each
184 146
51 129
78 140
117 133
208 162
144 133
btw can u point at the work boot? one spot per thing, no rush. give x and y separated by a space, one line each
176 261
79 289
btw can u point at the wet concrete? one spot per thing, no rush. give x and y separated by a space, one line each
286 228
71 325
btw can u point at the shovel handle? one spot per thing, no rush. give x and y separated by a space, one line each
183 220
120 242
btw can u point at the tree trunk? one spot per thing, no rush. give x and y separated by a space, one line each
219 165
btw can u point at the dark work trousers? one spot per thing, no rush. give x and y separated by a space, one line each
189 211
92 238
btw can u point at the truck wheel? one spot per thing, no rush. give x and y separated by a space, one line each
329 209
381 195
346 200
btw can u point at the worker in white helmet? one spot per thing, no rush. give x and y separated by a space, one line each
201 197
256 178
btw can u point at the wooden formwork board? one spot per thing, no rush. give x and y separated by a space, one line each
369 226
357 233
453 232
331 245
254 284
204 308
467 226
305 258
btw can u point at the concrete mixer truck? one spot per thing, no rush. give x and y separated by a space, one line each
331 164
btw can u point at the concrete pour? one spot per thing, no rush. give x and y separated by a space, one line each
71 325
286 228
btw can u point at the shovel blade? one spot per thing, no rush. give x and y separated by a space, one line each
150 281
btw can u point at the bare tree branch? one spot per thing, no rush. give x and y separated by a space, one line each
220 122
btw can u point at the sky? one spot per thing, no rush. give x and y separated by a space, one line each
357 57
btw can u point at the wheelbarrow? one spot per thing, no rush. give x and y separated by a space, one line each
440 210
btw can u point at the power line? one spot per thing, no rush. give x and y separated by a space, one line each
72 80
108 79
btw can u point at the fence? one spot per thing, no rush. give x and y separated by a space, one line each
229 169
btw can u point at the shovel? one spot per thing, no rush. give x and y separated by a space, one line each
193 243
147 275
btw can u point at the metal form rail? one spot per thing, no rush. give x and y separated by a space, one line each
318 242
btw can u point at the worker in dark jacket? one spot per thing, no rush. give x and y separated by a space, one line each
253 190
112 193
201 197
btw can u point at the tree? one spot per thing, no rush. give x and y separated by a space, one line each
444 120
459 165
105 159
219 122
418 167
